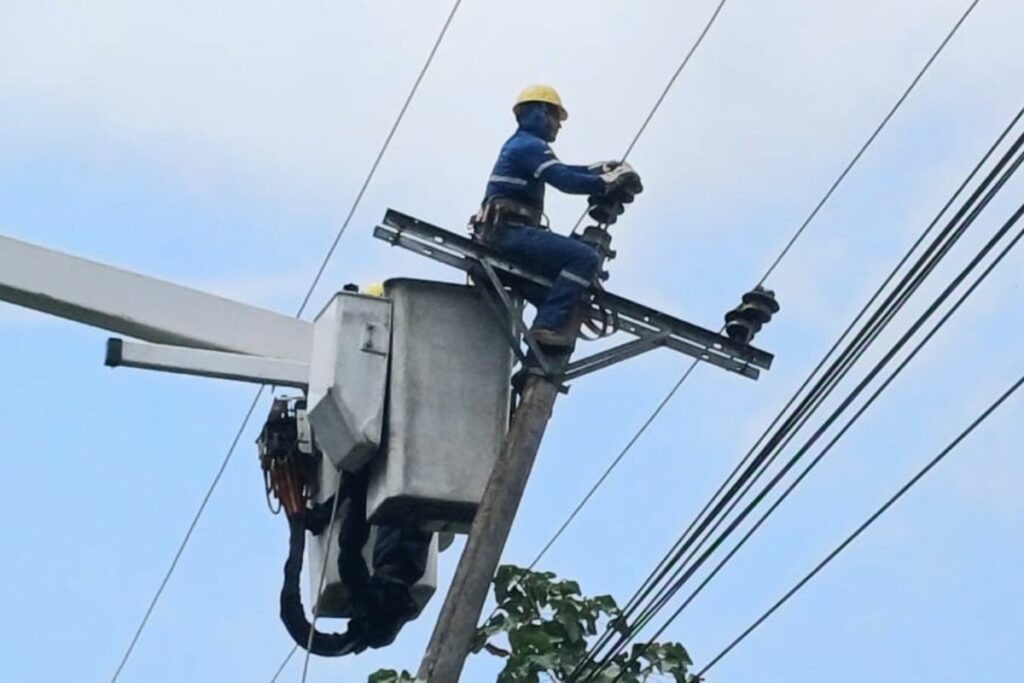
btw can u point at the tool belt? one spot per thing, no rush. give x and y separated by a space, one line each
501 212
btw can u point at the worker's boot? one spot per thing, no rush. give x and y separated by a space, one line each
552 338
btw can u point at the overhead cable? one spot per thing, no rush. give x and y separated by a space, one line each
301 309
888 309
380 154
188 536
664 93
688 540
800 230
681 576
817 459
864 526
867 143
320 586
807 381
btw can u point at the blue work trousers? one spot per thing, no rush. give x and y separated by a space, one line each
569 263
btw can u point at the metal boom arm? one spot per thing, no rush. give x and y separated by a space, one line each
144 307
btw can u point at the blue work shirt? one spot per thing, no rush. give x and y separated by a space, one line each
526 162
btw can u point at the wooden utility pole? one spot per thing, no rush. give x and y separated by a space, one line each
453 634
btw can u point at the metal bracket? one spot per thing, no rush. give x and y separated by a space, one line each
651 327
217 364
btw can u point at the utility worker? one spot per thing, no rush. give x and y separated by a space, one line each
513 206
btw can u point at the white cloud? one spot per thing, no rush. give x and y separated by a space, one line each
297 96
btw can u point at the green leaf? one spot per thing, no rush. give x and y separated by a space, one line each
571 624
548 623
390 676
530 638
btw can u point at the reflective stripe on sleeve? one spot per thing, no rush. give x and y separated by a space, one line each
507 179
547 164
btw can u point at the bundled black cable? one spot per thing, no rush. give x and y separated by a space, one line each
894 302
865 525
293 614
382 602
681 577
706 524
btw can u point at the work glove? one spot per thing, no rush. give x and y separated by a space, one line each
623 178
604 166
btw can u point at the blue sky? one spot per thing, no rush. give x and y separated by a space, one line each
220 148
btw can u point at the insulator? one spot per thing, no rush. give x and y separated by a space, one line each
739 327
606 211
746 320
763 299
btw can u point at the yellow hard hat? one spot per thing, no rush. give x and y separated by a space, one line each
374 289
542 93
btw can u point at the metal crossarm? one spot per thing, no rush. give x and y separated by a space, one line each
650 327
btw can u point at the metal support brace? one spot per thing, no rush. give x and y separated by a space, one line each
621 352
498 289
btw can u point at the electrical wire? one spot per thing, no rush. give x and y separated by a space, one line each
765 434
788 246
871 139
672 80
380 154
992 243
718 509
864 526
668 397
689 573
284 663
664 93
302 307
839 434
188 536
893 303
323 577
348 219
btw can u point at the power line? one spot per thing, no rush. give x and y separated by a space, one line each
664 93
768 430
188 535
871 139
909 284
864 526
755 465
869 333
380 154
284 663
845 427
672 80
956 282
880 319
323 578
657 411
302 307
800 230
344 226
